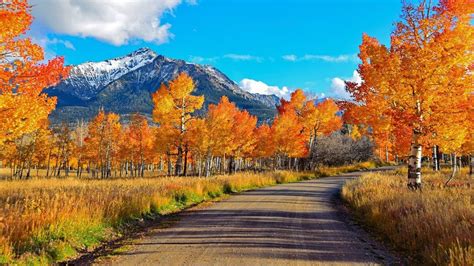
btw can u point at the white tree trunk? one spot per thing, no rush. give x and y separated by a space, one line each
435 158
414 164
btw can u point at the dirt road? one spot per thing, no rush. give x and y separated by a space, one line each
291 224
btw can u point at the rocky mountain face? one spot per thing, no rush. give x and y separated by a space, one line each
124 85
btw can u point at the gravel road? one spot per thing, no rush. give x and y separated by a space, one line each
291 224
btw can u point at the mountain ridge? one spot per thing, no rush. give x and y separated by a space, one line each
124 85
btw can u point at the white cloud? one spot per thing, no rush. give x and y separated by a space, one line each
66 44
113 21
234 57
338 85
45 42
290 57
202 60
325 58
254 86
243 57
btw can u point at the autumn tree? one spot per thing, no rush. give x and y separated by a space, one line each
265 144
244 142
425 74
298 124
64 148
199 142
101 143
174 105
23 106
319 120
139 137
79 135
220 123
288 129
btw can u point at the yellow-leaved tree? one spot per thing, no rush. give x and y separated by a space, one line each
174 105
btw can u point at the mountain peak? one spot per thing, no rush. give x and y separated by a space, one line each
90 77
144 51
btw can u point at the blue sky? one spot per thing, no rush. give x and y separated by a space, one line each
294 44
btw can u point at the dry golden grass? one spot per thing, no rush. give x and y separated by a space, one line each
49 220
434 226
35 213
31 211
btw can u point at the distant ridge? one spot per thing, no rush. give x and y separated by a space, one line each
124 85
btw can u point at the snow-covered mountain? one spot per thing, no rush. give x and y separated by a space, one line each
87 79
124 85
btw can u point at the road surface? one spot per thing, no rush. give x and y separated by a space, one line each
290 224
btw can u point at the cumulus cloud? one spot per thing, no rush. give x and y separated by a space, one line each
113 21
254 86
338 85
325 58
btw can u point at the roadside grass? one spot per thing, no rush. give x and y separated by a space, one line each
435 226
45 221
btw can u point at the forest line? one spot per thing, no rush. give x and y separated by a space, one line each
225 140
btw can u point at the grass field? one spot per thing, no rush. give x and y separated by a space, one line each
50 220
435 226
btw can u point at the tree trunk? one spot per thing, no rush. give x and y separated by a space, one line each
223 164
185 173
179 161
436 158
208 164
199 165
168 157
28 171
231 164
454 166
471 164
414 164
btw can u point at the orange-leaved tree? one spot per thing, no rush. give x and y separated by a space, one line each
220 122
140 142
174 105
23 77
288 130
319 120
102 143
425 74
299 122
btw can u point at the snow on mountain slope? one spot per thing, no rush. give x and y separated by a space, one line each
87 79
124 85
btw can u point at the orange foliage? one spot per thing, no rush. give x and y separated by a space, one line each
416 91
23 107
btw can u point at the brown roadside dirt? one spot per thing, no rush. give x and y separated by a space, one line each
292 224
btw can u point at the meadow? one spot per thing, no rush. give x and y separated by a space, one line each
434 226
52 220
